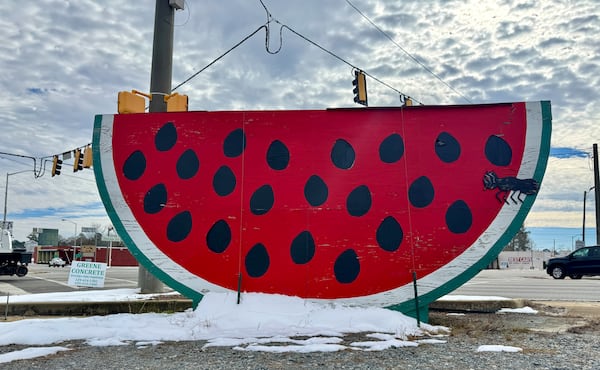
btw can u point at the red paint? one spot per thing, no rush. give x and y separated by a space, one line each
310 136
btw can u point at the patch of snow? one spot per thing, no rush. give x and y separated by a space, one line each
498 348
31 352
527 310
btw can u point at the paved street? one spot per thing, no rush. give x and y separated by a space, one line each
44 279
531 284
527 284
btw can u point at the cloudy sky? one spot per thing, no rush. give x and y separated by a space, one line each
62 62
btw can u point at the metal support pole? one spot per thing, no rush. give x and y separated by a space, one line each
5 201
597 192
583 228
162 56
160 86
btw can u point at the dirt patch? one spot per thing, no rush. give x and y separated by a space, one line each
552 317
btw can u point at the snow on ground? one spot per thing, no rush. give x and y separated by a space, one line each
527 310
261 322
498 348
31 352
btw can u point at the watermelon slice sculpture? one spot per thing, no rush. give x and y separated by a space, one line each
339 204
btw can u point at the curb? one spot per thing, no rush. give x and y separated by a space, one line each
180 305
94 308
478 306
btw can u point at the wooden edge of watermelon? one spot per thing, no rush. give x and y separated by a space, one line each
362 242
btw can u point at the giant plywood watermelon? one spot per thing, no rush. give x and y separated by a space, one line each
341 204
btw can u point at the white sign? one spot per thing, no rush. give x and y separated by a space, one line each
90 274
111 238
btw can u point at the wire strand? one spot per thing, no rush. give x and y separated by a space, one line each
406 52
220 57
344 60
267 26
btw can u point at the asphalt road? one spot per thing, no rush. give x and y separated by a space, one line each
44 279
526 284
531 284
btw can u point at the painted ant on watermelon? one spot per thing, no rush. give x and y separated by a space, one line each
507 184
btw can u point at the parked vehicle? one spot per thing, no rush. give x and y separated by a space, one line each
13 260
57 262
582 262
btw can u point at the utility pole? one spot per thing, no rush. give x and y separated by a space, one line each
160 86
583 229
597 192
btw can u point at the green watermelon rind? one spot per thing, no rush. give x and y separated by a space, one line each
453 274
101 145
542 110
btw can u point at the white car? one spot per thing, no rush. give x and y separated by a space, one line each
57 262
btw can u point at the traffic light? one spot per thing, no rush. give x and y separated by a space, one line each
176 103
56 166
360 88
78 163
130 102
87 157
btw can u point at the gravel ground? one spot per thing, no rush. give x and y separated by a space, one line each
550 340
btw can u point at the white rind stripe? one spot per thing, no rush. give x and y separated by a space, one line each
130 224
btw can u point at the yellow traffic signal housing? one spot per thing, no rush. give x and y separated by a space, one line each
78 163
176 103
360 88
56 166
87 157
129 102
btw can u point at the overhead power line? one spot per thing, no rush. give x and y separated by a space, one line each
406 52
266 26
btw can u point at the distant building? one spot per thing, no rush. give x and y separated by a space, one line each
521 260
117 255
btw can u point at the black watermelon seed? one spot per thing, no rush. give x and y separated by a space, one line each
458 217
234 143
303 248
421 192
166 137
262 200
359 201
218 237
224 181
278 155
391 149
342 154
257 261
346 267
447 147
155 199
497 151
187 165
134 165
389 234
179 227
315 191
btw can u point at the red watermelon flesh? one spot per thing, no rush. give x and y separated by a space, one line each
317 204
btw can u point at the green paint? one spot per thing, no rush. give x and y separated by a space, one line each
408 307
112 214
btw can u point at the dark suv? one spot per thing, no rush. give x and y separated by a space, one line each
583 261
